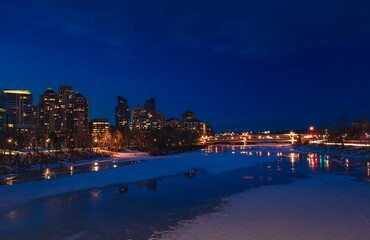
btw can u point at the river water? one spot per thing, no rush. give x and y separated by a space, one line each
146 209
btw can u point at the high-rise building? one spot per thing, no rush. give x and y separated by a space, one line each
80 118
160 120
18 111
173 123
35 117
190 123
122 115
49 118
138 117
150 106
2 113
188 116
65 95
146 118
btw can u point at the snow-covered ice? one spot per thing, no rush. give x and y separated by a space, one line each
326 206
321 208
148 169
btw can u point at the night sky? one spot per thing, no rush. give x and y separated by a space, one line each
240 65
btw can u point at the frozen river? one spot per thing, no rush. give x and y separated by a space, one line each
220 193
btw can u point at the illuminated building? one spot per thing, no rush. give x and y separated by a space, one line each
146 118
80 119
2 113
99 126
188 116
190 123
18 111
173 123
65 95
122 115
48 112
160 119
138 117
150 106
35 117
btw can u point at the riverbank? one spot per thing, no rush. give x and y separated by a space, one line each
155 168
23 162
360 155
192 196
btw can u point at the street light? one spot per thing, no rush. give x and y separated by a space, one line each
10 145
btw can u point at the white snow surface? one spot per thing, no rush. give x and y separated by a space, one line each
322 208
11 196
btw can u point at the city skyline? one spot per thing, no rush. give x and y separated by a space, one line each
241 65
343 119
61 119
48 103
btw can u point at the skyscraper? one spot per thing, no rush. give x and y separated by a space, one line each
146 118
122 115
138 117
150 106
188 116
160 119
190 123
65 94
49 118
80 119
18 111
2 113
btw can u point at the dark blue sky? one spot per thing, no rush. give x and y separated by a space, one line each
244 65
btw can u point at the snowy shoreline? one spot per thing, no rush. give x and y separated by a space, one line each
331 204
355 154
11 196
116 158
158 166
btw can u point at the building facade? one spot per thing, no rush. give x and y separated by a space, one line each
65 95
80 119
191 123
18 111
99 126
147 117
2 113
48 113
122 115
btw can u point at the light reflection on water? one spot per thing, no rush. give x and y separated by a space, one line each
316 162
50 173
140 209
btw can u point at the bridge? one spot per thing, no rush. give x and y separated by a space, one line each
247 138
